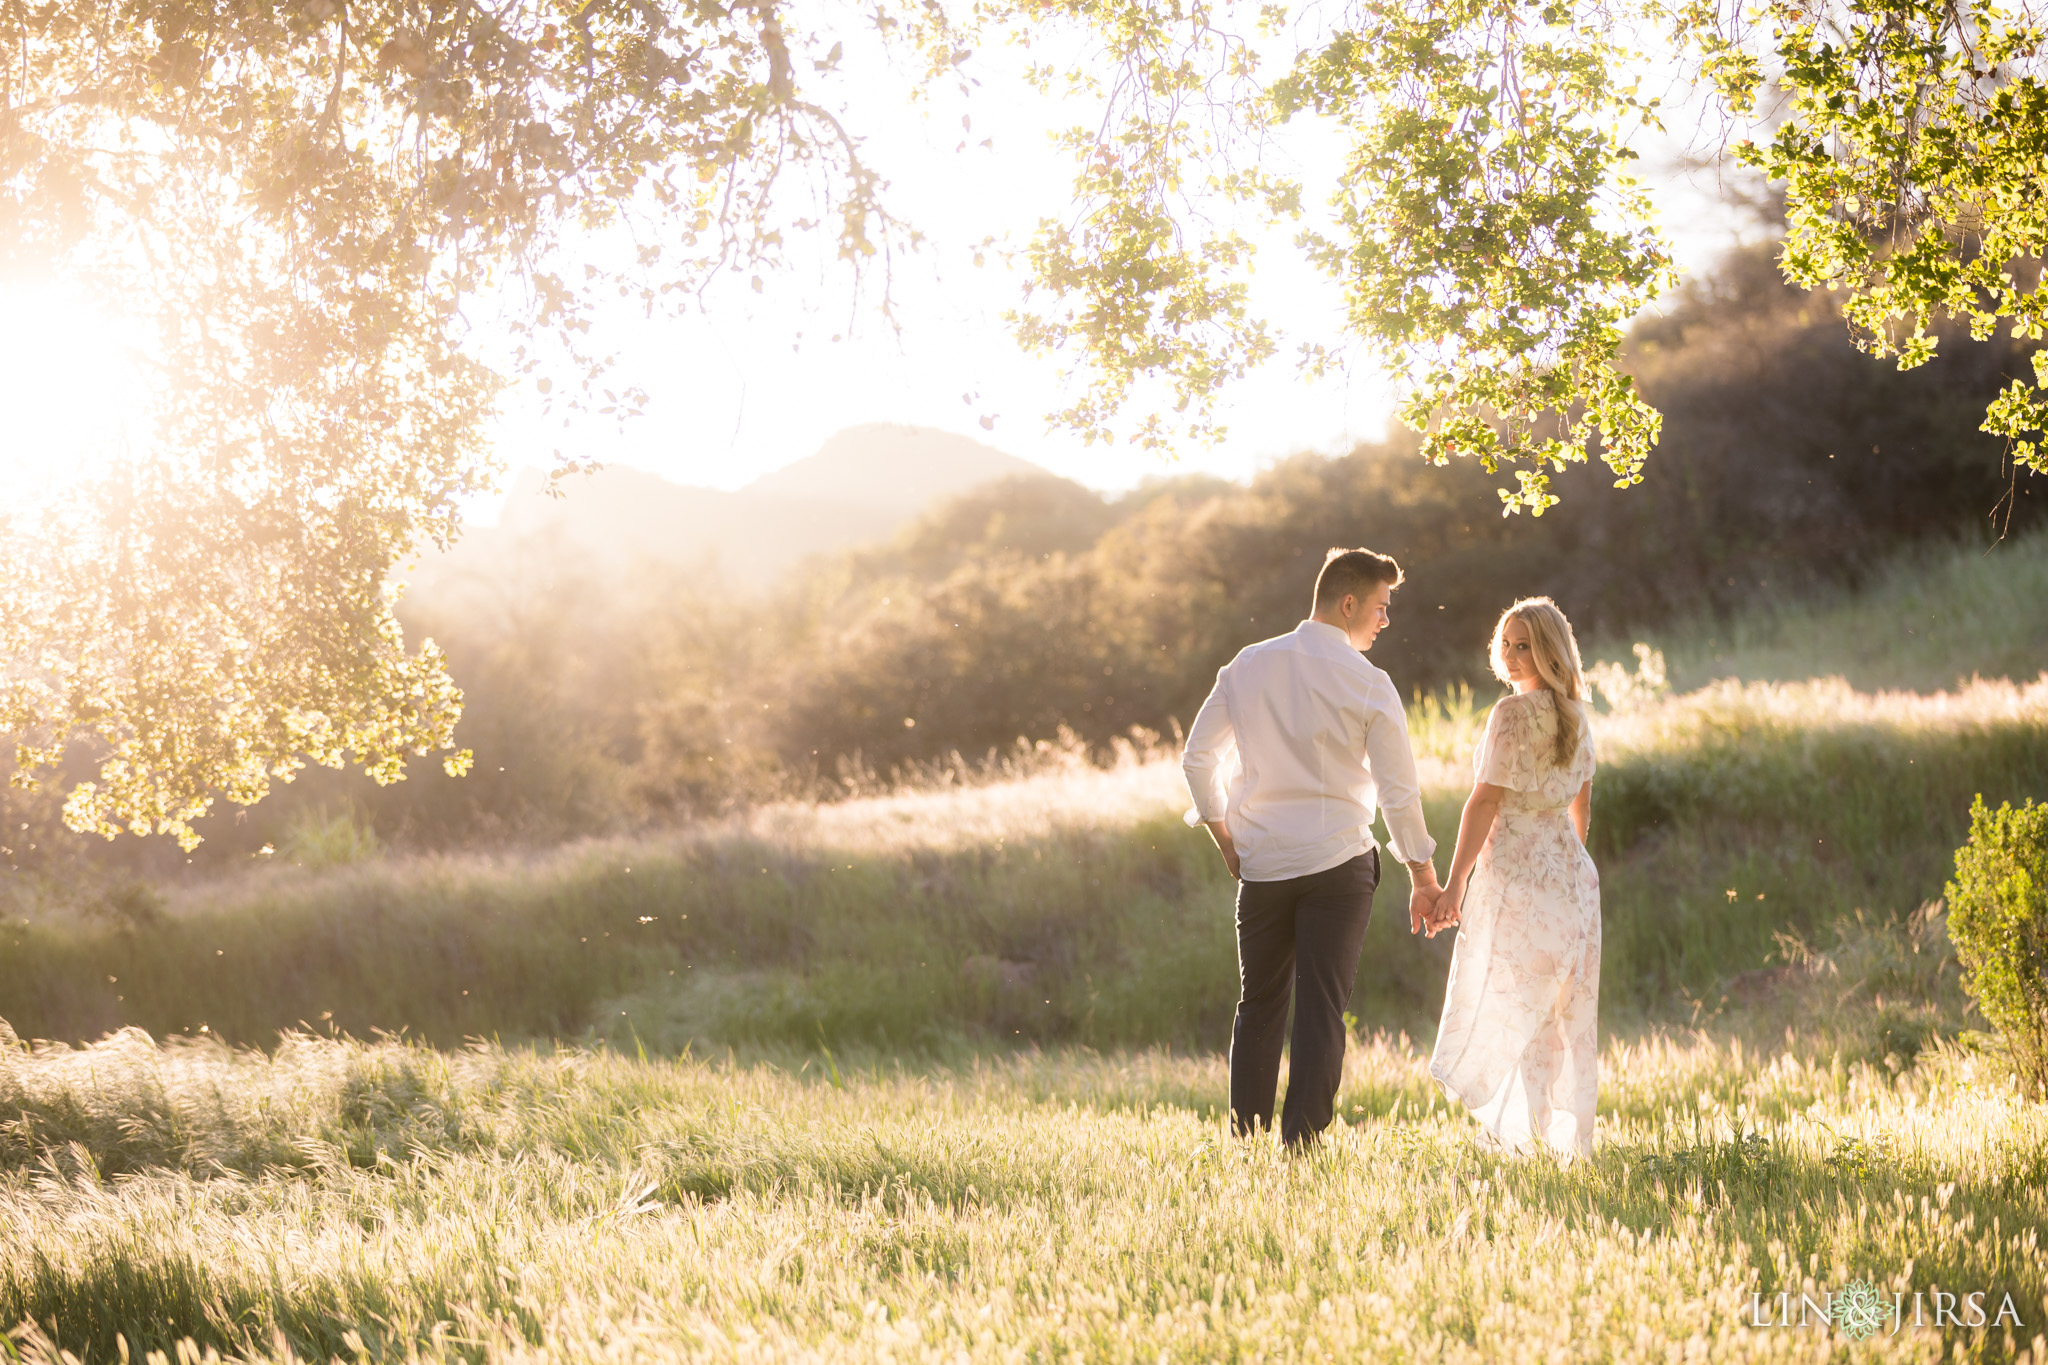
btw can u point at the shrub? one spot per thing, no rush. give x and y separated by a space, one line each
1998 917
315 839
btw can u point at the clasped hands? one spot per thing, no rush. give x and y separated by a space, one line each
1432 908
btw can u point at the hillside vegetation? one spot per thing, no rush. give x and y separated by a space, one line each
1932 618
1738 826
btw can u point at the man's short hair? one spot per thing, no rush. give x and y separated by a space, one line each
1356 572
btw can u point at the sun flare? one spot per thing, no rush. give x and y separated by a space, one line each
72 391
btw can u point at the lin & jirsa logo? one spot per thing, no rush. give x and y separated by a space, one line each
1858 1309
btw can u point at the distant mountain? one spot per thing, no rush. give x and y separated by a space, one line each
891 468
859 488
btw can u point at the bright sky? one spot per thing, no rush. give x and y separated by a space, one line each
732 398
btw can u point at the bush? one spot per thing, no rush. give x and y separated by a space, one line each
316 839
1998 917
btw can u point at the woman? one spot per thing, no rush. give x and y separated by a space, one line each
1518 1041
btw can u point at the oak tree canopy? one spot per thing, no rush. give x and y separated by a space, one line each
319 206
307 202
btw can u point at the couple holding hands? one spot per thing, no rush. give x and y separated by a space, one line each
1298 745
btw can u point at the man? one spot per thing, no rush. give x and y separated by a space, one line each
1286 760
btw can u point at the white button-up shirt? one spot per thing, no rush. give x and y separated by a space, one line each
1300 740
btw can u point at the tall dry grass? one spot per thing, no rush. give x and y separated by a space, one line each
389 1202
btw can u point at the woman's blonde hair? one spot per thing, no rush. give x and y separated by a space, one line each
1556 652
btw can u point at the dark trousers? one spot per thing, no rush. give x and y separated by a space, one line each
1304 933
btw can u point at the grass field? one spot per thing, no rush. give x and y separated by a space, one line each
388 1202
934 1075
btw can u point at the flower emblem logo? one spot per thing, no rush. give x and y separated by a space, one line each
1859 1309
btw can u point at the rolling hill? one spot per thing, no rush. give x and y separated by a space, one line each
858 488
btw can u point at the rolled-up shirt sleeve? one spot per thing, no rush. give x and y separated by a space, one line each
1392 760
1212 744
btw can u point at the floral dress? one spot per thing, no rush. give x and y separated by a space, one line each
1518 1042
